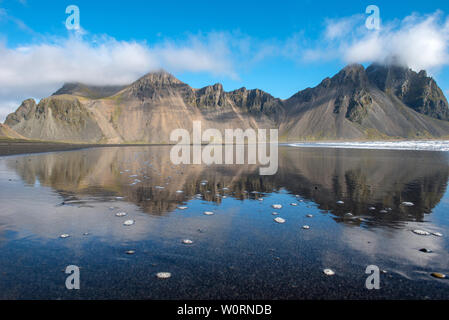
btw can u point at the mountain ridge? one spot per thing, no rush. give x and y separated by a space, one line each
379 102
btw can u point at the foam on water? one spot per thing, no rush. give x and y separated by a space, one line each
434 145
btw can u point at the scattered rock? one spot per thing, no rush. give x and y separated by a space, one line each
130 252
274 213
421 232
371 208
438 275
128 222
121 214
182 208
179 191
277 206
293 204
187 241
349 215
306 227
279 220
425 250
64 235
340 202
328 272
383 211
208 213
437 234
407 204
163 275
309 215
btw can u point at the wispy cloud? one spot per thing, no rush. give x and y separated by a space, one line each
420 42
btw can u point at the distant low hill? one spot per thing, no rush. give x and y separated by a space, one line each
379 102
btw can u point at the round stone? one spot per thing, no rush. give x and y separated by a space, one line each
163 275
279 220
128 222
121 214
328 272
438 275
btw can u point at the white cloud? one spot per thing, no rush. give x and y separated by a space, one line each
37 70
420 42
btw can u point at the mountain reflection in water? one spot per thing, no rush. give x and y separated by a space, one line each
146 177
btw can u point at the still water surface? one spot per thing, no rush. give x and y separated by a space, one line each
239 252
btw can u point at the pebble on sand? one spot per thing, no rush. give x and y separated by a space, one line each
187 241
328 272
128 222
279 220
306 227
121 214
208 213
163 275
421 232
277 206
438 275
407 204
65 235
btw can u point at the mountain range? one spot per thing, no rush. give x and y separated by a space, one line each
379 102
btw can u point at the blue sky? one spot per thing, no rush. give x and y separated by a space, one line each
278 46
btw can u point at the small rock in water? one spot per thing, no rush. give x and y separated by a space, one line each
274 213
86 233
438 275
187 241
128 222
130 252
208 213
437 234
279 220
293 204
309 215
260 199
306 227
163 275
65 235
182 208
425 250
328 272
121 214
277 206
421 232
407 204
340 202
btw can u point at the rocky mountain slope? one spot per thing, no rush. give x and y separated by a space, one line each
379 102
7 133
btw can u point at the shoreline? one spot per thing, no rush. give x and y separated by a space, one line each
16 147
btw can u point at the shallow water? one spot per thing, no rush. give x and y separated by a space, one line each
239 252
